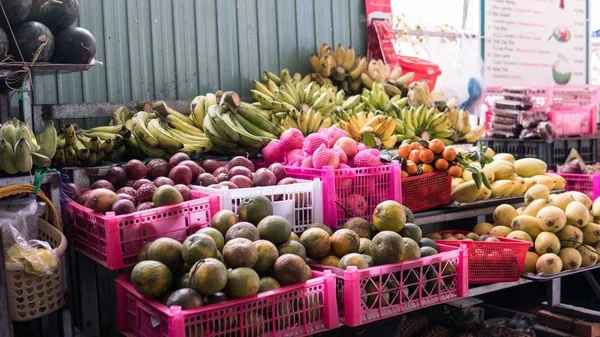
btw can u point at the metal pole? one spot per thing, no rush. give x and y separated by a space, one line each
5 322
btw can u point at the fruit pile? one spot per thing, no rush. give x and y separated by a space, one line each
238 256
328 147
392 238
561 226
296 104
21 149
240 172
237 128
425 157
138 186
340 68
507 177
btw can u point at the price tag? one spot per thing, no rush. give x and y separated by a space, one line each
155 321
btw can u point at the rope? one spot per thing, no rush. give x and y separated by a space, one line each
24 75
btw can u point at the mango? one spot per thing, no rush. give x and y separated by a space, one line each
484 193
520 186
527 224
529 167
551 219
466 192
504 215
505 156
502 231
577 214
561 200
483 228
503 169
535 206
502 188
559 181
544 180
536 192
582 198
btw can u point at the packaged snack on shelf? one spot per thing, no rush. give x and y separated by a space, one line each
515 105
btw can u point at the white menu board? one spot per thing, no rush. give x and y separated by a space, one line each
534 42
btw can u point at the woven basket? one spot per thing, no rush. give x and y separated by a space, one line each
31 296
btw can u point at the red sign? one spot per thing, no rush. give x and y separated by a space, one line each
378 9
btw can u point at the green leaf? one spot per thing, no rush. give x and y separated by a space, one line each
487 158
485 180
424 143
369 140
478 180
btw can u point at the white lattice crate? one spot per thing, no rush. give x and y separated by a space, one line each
300 203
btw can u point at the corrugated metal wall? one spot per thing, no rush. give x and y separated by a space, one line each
177 49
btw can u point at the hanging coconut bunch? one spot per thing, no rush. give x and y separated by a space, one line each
340 68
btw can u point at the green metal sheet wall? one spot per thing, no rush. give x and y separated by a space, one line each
177 49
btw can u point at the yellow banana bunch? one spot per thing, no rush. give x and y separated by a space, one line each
377 71
379 126
462 125
339 67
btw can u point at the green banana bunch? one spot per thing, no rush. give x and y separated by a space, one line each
19 149
378 99
422 123
340 67
238 128
418 94
288 102
284 77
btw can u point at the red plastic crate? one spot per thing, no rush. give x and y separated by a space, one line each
375 293
114 241
373 185
571 108
424 70
298 310
588 184
426 191
491 262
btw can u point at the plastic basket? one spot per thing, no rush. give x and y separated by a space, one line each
426 191
114 241
571 108
379 292
554 153
297 310
491 262
31 296
424 70
588 184
300 203
345 189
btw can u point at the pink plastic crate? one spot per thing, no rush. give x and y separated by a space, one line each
491 262
379 292
362 186
298 310
571 108
114 241
588 184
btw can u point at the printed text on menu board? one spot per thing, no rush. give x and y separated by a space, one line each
535 42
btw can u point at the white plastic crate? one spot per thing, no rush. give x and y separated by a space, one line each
300 203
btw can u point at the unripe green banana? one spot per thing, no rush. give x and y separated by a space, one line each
22 156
